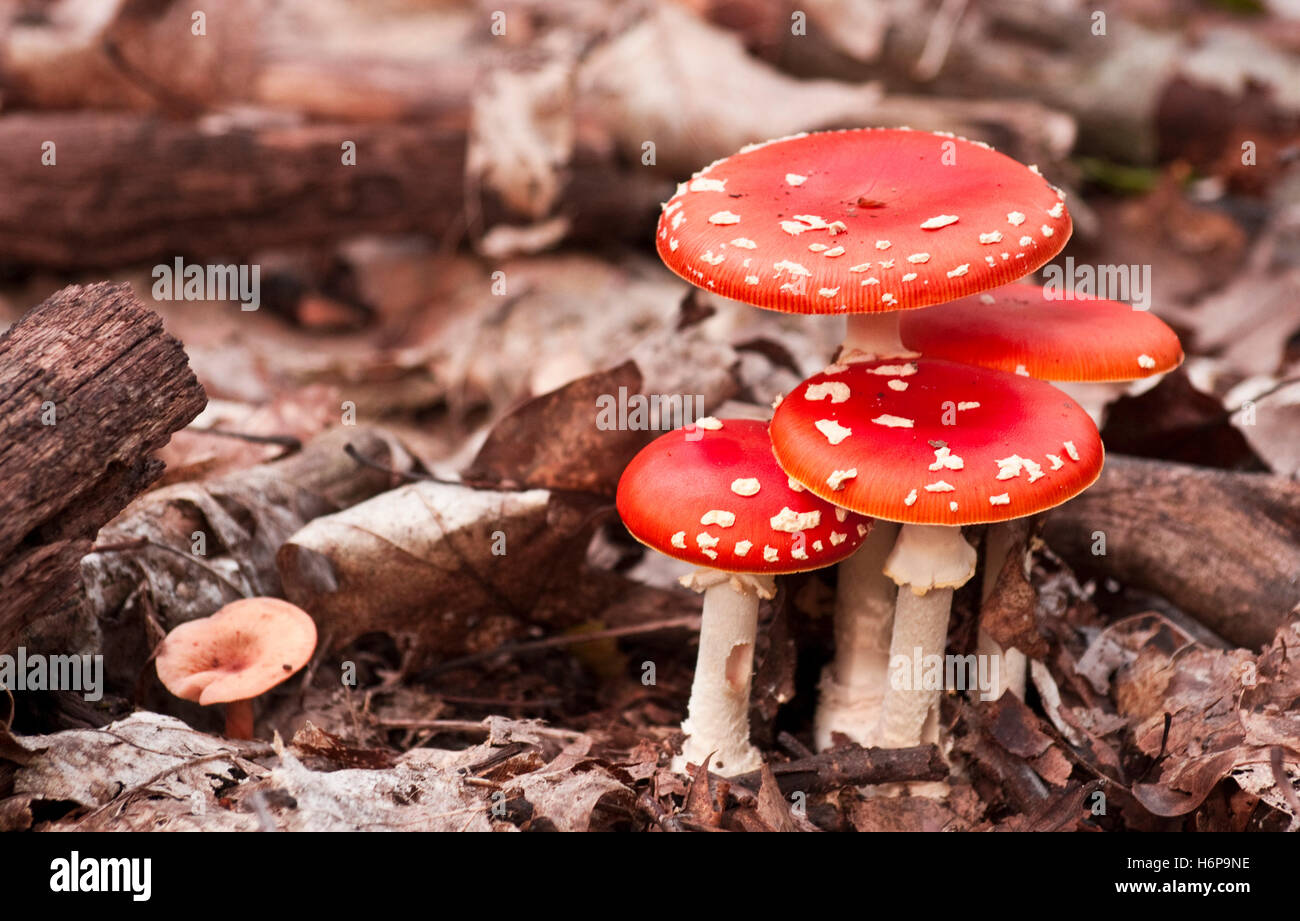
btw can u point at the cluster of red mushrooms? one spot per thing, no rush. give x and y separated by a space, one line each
936 413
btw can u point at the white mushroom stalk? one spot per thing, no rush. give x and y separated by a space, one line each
928 562
874 334
717 721
853 684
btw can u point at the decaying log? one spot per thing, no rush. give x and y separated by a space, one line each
1224 547
90 387
264 183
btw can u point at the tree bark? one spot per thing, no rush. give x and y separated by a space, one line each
1223 546
90 387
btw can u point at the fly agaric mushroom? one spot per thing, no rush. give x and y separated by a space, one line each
243 650
1030 330
720 502
863 224
1026 329
941 445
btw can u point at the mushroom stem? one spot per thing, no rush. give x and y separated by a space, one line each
239 719
717 719
853 684
1010 665
873 334
927 563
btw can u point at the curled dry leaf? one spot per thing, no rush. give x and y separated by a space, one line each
442 567
1228 710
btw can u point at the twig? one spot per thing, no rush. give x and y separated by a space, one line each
688 622
471 727
851 767
140 543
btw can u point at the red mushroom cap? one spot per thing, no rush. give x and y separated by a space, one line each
862 221
243 650
936 442
1027 329
716 498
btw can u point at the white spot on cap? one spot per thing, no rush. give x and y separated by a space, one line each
952 506
837 538
712 259
1025 241
883 244
944 458
1057 463
770 554
744 243
834 432
911 498
795 485
960 270
1047 231
835 227
988 298
910 276
742 547
1056 210
841 514
836 479
798 553
1022 370
838 392
747 486
828 292
818 247
793 522
706 544
724 217
918 258
817 546
862 530
793 228
721 518
1146 361
1009 467
751 279
969 404
833 252
708 423
679 540
888 298
894 370
703 184
873 280
1015 218
1035 469
794 268
860 268
898 385
940 486
893 422
795 179
994 237
941 220
1003 499
672 244
678 218
1071 450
